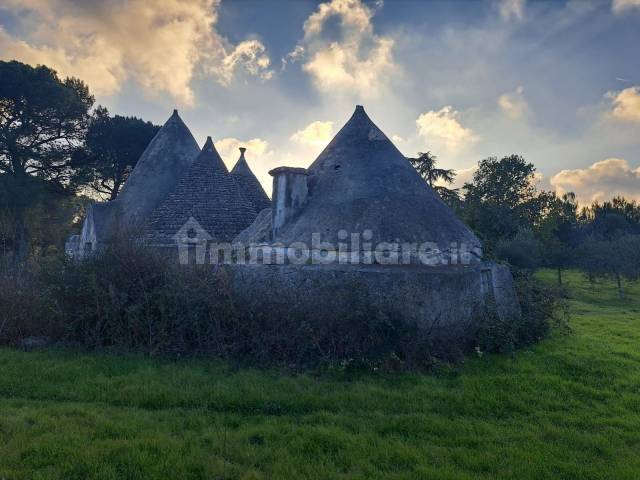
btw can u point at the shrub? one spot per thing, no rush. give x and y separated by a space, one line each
363 336
542 305
27 307
127 297
131 298
523 251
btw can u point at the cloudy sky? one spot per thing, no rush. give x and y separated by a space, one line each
555 81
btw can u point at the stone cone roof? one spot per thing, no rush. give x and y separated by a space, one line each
208 194
360 182
250 184
164 161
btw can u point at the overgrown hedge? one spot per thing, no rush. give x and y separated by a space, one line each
132 299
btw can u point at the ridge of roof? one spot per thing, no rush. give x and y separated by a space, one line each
208 194
168 155
361 181
250 183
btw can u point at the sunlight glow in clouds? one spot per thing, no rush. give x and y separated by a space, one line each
443 129
409 63
600 181
514 103
360 61
161 44
620 6
257 148
626 104
315 134
259 156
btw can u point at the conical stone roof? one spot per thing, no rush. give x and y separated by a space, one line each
164 161
361 182
250 184
210 195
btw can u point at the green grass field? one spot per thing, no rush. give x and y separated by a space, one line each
566 408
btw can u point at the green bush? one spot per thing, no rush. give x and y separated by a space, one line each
523 251
27 304
361 337
131 298
127 297
542 305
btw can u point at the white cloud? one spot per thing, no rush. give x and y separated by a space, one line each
293 56
101 65
360 61
600 181
620 6
161 44
352 13
514 103
443 129
250 56
625 104
315 134
512 9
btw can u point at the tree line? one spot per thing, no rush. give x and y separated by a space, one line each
531 228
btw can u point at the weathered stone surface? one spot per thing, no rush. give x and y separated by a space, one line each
289 195
100 224
439 299
362 182
504 291
259 231
164 161
208 194
162 164
250 184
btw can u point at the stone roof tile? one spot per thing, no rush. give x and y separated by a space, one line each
209 194
249 183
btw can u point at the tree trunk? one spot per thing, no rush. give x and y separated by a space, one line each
559 276
20 234
619 282
117 184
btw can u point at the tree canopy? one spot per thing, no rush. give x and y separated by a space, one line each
43 121
112 149
501 199
425 165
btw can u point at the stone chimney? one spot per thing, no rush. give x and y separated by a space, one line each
289 195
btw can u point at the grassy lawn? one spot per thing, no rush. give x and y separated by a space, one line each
567 408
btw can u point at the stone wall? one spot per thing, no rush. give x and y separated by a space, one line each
442 300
